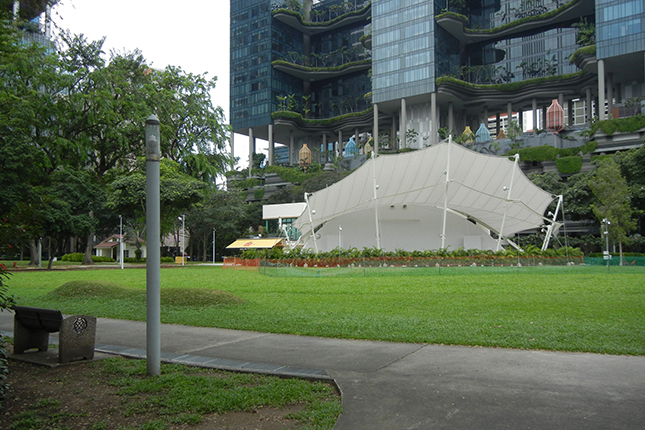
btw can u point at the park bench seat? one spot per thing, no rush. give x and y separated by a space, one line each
76 334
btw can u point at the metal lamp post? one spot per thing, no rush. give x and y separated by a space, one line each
153 259
340 234
121 241
183 237
213 246
607 255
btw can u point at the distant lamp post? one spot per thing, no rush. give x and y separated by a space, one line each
304 155
606 232
121 240
213 246
340 235
182 244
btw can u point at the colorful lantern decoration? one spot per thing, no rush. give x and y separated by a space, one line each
501 135
555 117
467 136
482 135
350 149
304 155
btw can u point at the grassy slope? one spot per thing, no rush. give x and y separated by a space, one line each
567 308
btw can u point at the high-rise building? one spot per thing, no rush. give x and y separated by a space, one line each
402 71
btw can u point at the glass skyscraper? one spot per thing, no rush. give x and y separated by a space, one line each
401 71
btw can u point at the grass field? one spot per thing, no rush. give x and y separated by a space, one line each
576 308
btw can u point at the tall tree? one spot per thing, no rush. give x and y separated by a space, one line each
611 190
190 124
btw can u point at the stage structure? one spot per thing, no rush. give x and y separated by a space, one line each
441 197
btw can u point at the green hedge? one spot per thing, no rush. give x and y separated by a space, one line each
622 125
585 50
551 153
327 121
569 165
78 257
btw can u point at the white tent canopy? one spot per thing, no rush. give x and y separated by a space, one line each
444 196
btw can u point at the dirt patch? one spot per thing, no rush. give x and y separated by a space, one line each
79 397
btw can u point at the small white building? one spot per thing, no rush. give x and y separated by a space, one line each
110 247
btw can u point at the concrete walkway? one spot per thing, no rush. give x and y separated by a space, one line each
415 386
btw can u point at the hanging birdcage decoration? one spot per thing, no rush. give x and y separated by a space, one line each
304 157
555 117
482 135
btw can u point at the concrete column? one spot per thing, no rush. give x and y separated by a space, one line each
393 133
570 112
404 124
251 150
48 22
306 9
324 145
509 113
340 142
588 107
291 148
601 90
433 119
375 130
535 115
610 94
451 119
232 143
497 123
271 146
520 119
485 118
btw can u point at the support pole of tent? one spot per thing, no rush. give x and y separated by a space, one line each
445 195
549 231
378 231
508 188
311 222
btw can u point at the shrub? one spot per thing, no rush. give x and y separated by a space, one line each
78 257
569 165
6 302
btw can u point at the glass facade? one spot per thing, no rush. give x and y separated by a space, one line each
620 27
258 88
403 53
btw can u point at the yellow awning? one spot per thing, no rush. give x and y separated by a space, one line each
255 243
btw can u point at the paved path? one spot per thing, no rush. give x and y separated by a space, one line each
416 386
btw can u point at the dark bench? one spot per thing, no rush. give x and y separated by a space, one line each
32 326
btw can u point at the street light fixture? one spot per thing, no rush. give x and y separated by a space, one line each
182 245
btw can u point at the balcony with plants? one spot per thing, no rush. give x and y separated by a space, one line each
326 65
322 18
530 17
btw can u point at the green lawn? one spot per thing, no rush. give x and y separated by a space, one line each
556 308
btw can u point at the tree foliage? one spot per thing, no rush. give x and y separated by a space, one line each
72 127
612 194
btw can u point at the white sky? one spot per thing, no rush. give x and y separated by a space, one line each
193 35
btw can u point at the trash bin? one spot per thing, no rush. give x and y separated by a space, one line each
179 260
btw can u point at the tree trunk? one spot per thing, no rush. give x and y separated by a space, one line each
33 251
87 258
620 247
